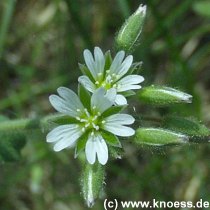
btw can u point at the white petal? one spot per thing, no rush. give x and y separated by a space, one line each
90 63
99 60
125 65
57 133
71 98
64 135
114 68
111 94
68 140
101 150
129 82
87 83
62 106
128 87
119 130
100 101
90 150
120 100
123 119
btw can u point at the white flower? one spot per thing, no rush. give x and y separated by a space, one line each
89 123
101 73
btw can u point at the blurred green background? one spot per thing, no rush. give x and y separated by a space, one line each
41 43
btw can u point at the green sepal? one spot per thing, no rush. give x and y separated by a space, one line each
113 110
111 139
128 93
60 119
189 126
86 71
80 144
108 60
135 68
116 152
84 96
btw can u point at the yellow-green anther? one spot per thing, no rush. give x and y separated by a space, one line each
131 29
161 95
159 137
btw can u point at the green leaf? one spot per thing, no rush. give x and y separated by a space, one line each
202 8
159 137
113 110
191 127
163 96
81 144
111 139
92 182
84 96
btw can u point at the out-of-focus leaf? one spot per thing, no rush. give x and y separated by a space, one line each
10 144
191 127
202 8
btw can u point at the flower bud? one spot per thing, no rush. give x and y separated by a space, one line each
92 182
161 95
159 137
131 29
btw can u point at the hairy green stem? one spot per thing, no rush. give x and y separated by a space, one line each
22 125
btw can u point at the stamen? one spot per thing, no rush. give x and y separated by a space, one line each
86 112
92 133
114 86
94 107
78 110
83 130
97 82
87 125
78 118
99 113
83 120
103 121
95 118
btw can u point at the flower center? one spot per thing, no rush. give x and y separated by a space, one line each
107 82
89 122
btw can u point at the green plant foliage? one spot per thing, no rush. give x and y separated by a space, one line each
10 146
202 8
159 137
192 127
163 96
92 181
